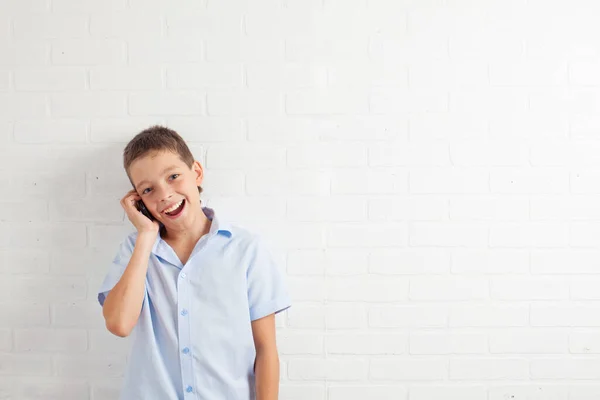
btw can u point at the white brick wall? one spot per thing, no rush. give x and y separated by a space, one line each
426 172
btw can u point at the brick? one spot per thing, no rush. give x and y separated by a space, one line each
448 180
448 234
529 180
533 234
330 262
286 76
37 211
345 316
486 207
241 103
584 126
423 316
46 288
367 235
49 184
489 154
105 209
78 314
88 52
87 6
405 48
314 102
50 388
489 369
51 131
442 343
23 105
283 182
373 181
5 81
130 78
37 235
6 341
28 6
563 261
403 153
306 288
326 155
450 289
389 101
164 50
47 26
367 392
528 126
302 344
368 75
105 104
306 317
539 341
26 315
245 156
462 391
529 390
301 392
565 368
125 25
51 340
530 73
408 369
223 183
327 209
121 129
24 53
569 100
403 207
205 75
77 366
449 75
243 49
490 261
448 126
26 364
488 315
328 369
486 101
367 289
366 344
408 261
26 261
166 103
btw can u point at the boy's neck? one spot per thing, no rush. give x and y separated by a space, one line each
190 236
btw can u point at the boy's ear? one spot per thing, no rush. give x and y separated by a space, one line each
197 168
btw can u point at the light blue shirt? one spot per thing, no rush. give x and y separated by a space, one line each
193 338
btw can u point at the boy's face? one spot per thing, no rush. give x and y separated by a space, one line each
168 187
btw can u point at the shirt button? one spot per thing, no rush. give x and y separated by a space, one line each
185 350
183 275
184 312
189 389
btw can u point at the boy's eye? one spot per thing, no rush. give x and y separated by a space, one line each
145 191
174 175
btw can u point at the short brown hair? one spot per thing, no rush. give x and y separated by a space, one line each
156 138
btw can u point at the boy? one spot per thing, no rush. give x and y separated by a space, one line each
198 293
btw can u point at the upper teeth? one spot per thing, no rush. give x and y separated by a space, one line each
174 207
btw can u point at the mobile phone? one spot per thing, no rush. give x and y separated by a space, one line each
142 208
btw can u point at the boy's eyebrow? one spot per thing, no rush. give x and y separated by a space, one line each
164 171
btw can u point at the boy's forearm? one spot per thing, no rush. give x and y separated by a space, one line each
266 373
123 303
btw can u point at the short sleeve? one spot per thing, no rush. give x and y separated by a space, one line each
117 268
267 292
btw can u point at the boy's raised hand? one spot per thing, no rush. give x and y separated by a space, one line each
139 220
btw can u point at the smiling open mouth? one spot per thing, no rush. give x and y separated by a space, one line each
177 210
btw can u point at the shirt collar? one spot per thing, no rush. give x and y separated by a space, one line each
217 226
